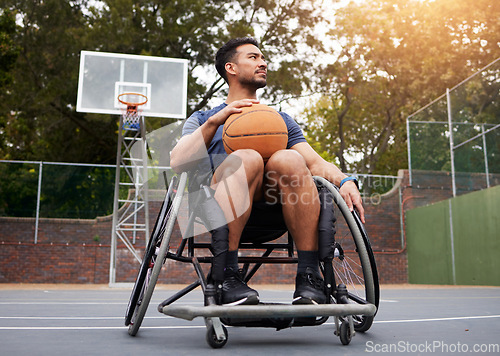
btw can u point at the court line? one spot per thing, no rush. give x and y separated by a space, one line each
41 328
74 317
202 326
104 303
436 319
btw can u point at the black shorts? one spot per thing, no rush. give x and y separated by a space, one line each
266 223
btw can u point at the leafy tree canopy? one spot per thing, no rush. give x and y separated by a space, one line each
393 57
40 121
390 57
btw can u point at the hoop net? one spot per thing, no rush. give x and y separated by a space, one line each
132 113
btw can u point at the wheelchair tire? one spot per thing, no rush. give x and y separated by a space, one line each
149 253
212 340
154 257
345 333
354 262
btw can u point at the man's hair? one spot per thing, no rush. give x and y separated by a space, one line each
227 52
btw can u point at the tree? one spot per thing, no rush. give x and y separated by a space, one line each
8 49
38 106
395 57
40 102
42 123
195 29
8 56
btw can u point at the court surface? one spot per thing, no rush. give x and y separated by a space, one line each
88 320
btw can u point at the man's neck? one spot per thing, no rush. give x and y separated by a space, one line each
239 94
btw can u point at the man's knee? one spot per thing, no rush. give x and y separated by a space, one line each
287 164
251 160
241 164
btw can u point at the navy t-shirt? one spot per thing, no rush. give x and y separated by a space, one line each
216 151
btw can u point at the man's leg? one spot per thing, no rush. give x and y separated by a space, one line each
237 183
288 179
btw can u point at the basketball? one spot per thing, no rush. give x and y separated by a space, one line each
257 127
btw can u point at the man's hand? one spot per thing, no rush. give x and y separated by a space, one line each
232 108
193 147
350 193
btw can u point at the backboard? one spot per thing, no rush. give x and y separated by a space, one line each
103 76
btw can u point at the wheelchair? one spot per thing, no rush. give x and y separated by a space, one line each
348 267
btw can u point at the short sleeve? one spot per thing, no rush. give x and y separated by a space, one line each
191 124
295 134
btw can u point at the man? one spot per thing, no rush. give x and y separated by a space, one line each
247 189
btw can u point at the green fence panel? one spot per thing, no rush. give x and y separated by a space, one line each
476 227
428 244
475 257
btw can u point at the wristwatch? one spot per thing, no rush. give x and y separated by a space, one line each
346 179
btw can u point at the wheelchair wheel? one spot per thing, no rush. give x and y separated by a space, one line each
345 333
354 263
149 255
154 257
212 339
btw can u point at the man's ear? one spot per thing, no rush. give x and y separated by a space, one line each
230 68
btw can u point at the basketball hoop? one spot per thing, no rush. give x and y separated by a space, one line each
132 114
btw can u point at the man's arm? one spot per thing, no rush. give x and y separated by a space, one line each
193 147
319 167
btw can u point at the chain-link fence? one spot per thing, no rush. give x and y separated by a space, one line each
56 190
459 133
85 191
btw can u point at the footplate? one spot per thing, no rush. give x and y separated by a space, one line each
189 312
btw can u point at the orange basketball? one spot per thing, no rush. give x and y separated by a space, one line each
258 127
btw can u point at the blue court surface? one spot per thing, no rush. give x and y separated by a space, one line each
89 320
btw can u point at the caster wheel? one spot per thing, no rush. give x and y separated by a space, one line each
345 333
212 338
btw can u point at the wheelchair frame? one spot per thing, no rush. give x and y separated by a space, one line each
353 310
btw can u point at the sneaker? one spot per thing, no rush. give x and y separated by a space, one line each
309 288
235 291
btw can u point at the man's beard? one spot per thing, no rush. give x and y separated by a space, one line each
255 83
